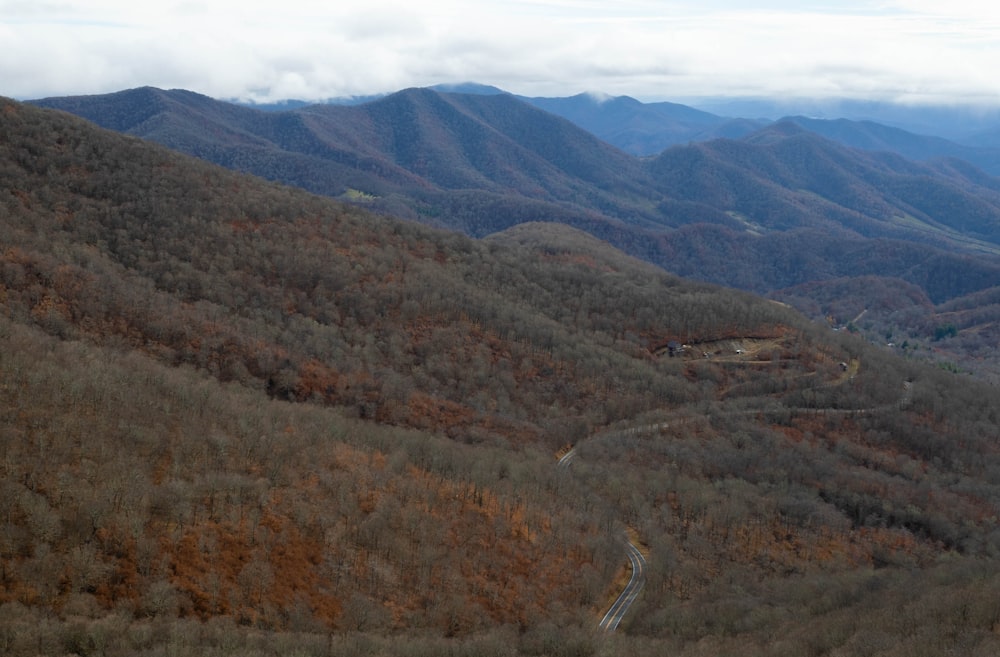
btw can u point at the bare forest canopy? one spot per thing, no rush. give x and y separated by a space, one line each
238 418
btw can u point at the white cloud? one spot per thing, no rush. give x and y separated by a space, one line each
650 49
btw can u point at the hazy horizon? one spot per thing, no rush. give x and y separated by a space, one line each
905 51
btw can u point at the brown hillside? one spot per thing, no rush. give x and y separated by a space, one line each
240 419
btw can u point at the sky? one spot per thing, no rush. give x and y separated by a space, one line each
912 51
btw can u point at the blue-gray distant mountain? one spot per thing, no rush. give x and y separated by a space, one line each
777 208
649 128
964 124
643 128
475 162
469 88
872 136
775 178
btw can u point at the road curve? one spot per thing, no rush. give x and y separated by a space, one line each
567 458
638 562
638 579
630 592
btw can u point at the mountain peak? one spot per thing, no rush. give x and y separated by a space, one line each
776 132
598 97
473 88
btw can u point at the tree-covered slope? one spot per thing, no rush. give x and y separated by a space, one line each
237 417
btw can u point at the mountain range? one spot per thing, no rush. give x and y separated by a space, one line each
435 147
240 418
639 128
648 128
969 125
780 208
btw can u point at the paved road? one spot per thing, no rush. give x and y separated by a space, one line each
638 580
638 562
630 593
567 458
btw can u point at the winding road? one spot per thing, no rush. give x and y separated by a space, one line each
636 581
630 592
638 563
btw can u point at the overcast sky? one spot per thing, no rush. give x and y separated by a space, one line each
909 50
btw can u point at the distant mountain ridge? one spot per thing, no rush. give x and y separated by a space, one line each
872 136
777 208
774 173
643 128
419 142
647 128
969 125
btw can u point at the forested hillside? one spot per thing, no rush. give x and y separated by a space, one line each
779 209
241 419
